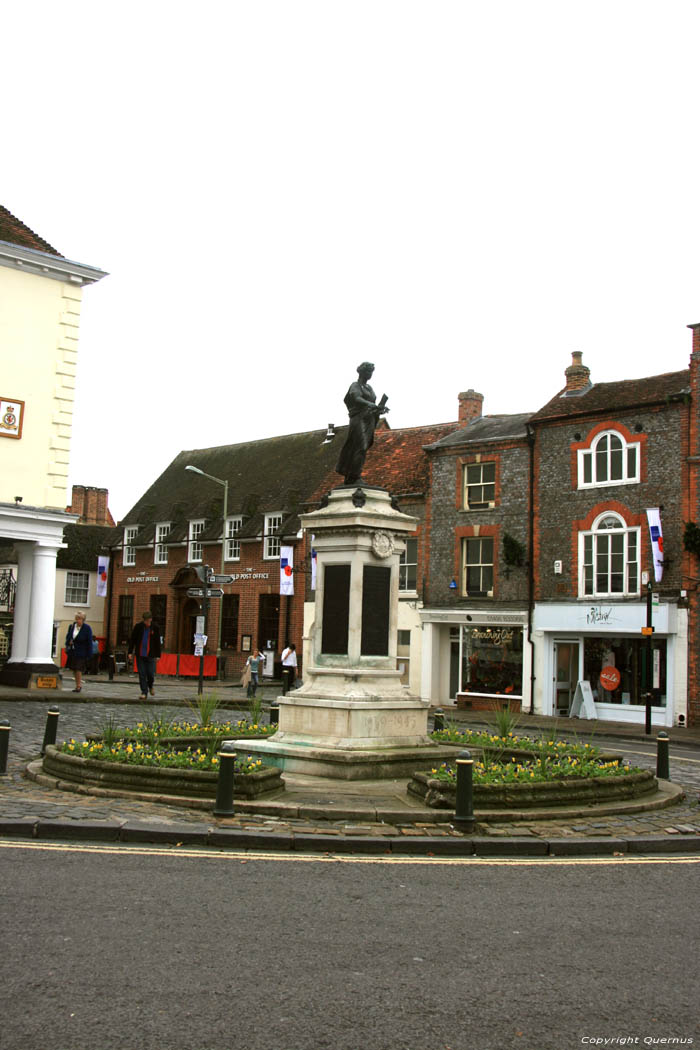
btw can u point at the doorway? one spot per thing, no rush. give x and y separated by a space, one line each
566 674
188 625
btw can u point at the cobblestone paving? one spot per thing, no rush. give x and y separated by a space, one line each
24 798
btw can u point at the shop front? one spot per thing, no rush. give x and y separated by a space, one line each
478 659
600 652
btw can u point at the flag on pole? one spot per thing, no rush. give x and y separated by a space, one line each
314 563
102 573
286 570
657 541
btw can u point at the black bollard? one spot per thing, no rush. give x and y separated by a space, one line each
662 768
274 715
225 783
51 728
4 745
438 720
110 666
464 819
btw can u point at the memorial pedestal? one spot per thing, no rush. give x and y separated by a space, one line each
352 718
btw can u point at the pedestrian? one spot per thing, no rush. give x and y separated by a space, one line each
254 664
145 643
289 668
78 648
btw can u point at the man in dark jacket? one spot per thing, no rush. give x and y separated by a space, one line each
145 643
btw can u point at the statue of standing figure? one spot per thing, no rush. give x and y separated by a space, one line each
364 414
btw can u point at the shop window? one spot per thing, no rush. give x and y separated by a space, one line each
194 547
233 543
229 621
477 567
610 460
408 566
161 552
272 543
609 558
479 485
491 660
615 668
77 588
129 553
125 618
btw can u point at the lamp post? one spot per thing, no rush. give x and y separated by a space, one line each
219 481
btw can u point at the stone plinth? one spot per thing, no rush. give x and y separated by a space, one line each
353 718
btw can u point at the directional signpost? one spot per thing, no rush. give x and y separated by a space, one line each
219 580
198 592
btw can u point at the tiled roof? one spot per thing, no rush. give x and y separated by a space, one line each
14 231
628 393
485 429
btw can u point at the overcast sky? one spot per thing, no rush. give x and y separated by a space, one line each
462 192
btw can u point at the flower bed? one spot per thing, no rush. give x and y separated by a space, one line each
564 780
136 767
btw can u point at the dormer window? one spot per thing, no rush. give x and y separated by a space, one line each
161 549
130 533
194 546
272 543
610 460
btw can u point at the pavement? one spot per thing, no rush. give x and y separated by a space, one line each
323 815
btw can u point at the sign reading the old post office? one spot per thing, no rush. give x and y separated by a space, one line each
11 417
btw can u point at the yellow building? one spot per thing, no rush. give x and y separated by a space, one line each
40 299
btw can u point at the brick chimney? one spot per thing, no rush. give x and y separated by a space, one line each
470 406
578 377
91 504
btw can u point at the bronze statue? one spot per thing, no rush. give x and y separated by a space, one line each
364 413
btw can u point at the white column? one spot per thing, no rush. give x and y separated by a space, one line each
42 606
20 629
428 654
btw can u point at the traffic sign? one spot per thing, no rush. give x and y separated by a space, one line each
198 592
219 579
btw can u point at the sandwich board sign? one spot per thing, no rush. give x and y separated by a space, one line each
583 705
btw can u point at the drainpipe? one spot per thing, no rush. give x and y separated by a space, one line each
531 565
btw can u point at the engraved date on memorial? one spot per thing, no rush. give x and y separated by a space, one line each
336 609
376 582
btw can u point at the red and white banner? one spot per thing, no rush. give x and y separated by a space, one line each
286 570
657 541
102 574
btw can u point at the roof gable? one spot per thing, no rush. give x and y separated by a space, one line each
606 397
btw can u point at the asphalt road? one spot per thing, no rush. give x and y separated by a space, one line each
153 949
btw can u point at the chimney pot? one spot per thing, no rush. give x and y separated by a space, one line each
470 405
578 377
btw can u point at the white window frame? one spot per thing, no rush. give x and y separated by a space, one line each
272 544
597 559
478 504
72 587
160 554
194 545
404 564
232 540
483 564
593 457
129 552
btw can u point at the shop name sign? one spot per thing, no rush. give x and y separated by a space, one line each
249 576
494 635
143 579
598 615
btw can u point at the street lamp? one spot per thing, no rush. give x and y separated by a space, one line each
219 481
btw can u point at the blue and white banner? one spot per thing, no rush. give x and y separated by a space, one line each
314 563
286 570
102 574
657 541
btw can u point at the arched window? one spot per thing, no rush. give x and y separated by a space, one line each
609 558
610 460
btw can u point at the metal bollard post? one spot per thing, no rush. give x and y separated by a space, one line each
225 783
662 768
438 720
464 818
274 715
4 745
51 728
110 666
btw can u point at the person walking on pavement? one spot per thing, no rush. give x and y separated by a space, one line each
145 643
289 668
255 664
78 648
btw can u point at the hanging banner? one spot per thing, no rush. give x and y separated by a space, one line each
286 570
657 541
102 573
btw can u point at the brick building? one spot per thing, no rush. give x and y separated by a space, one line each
476 598
177 526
